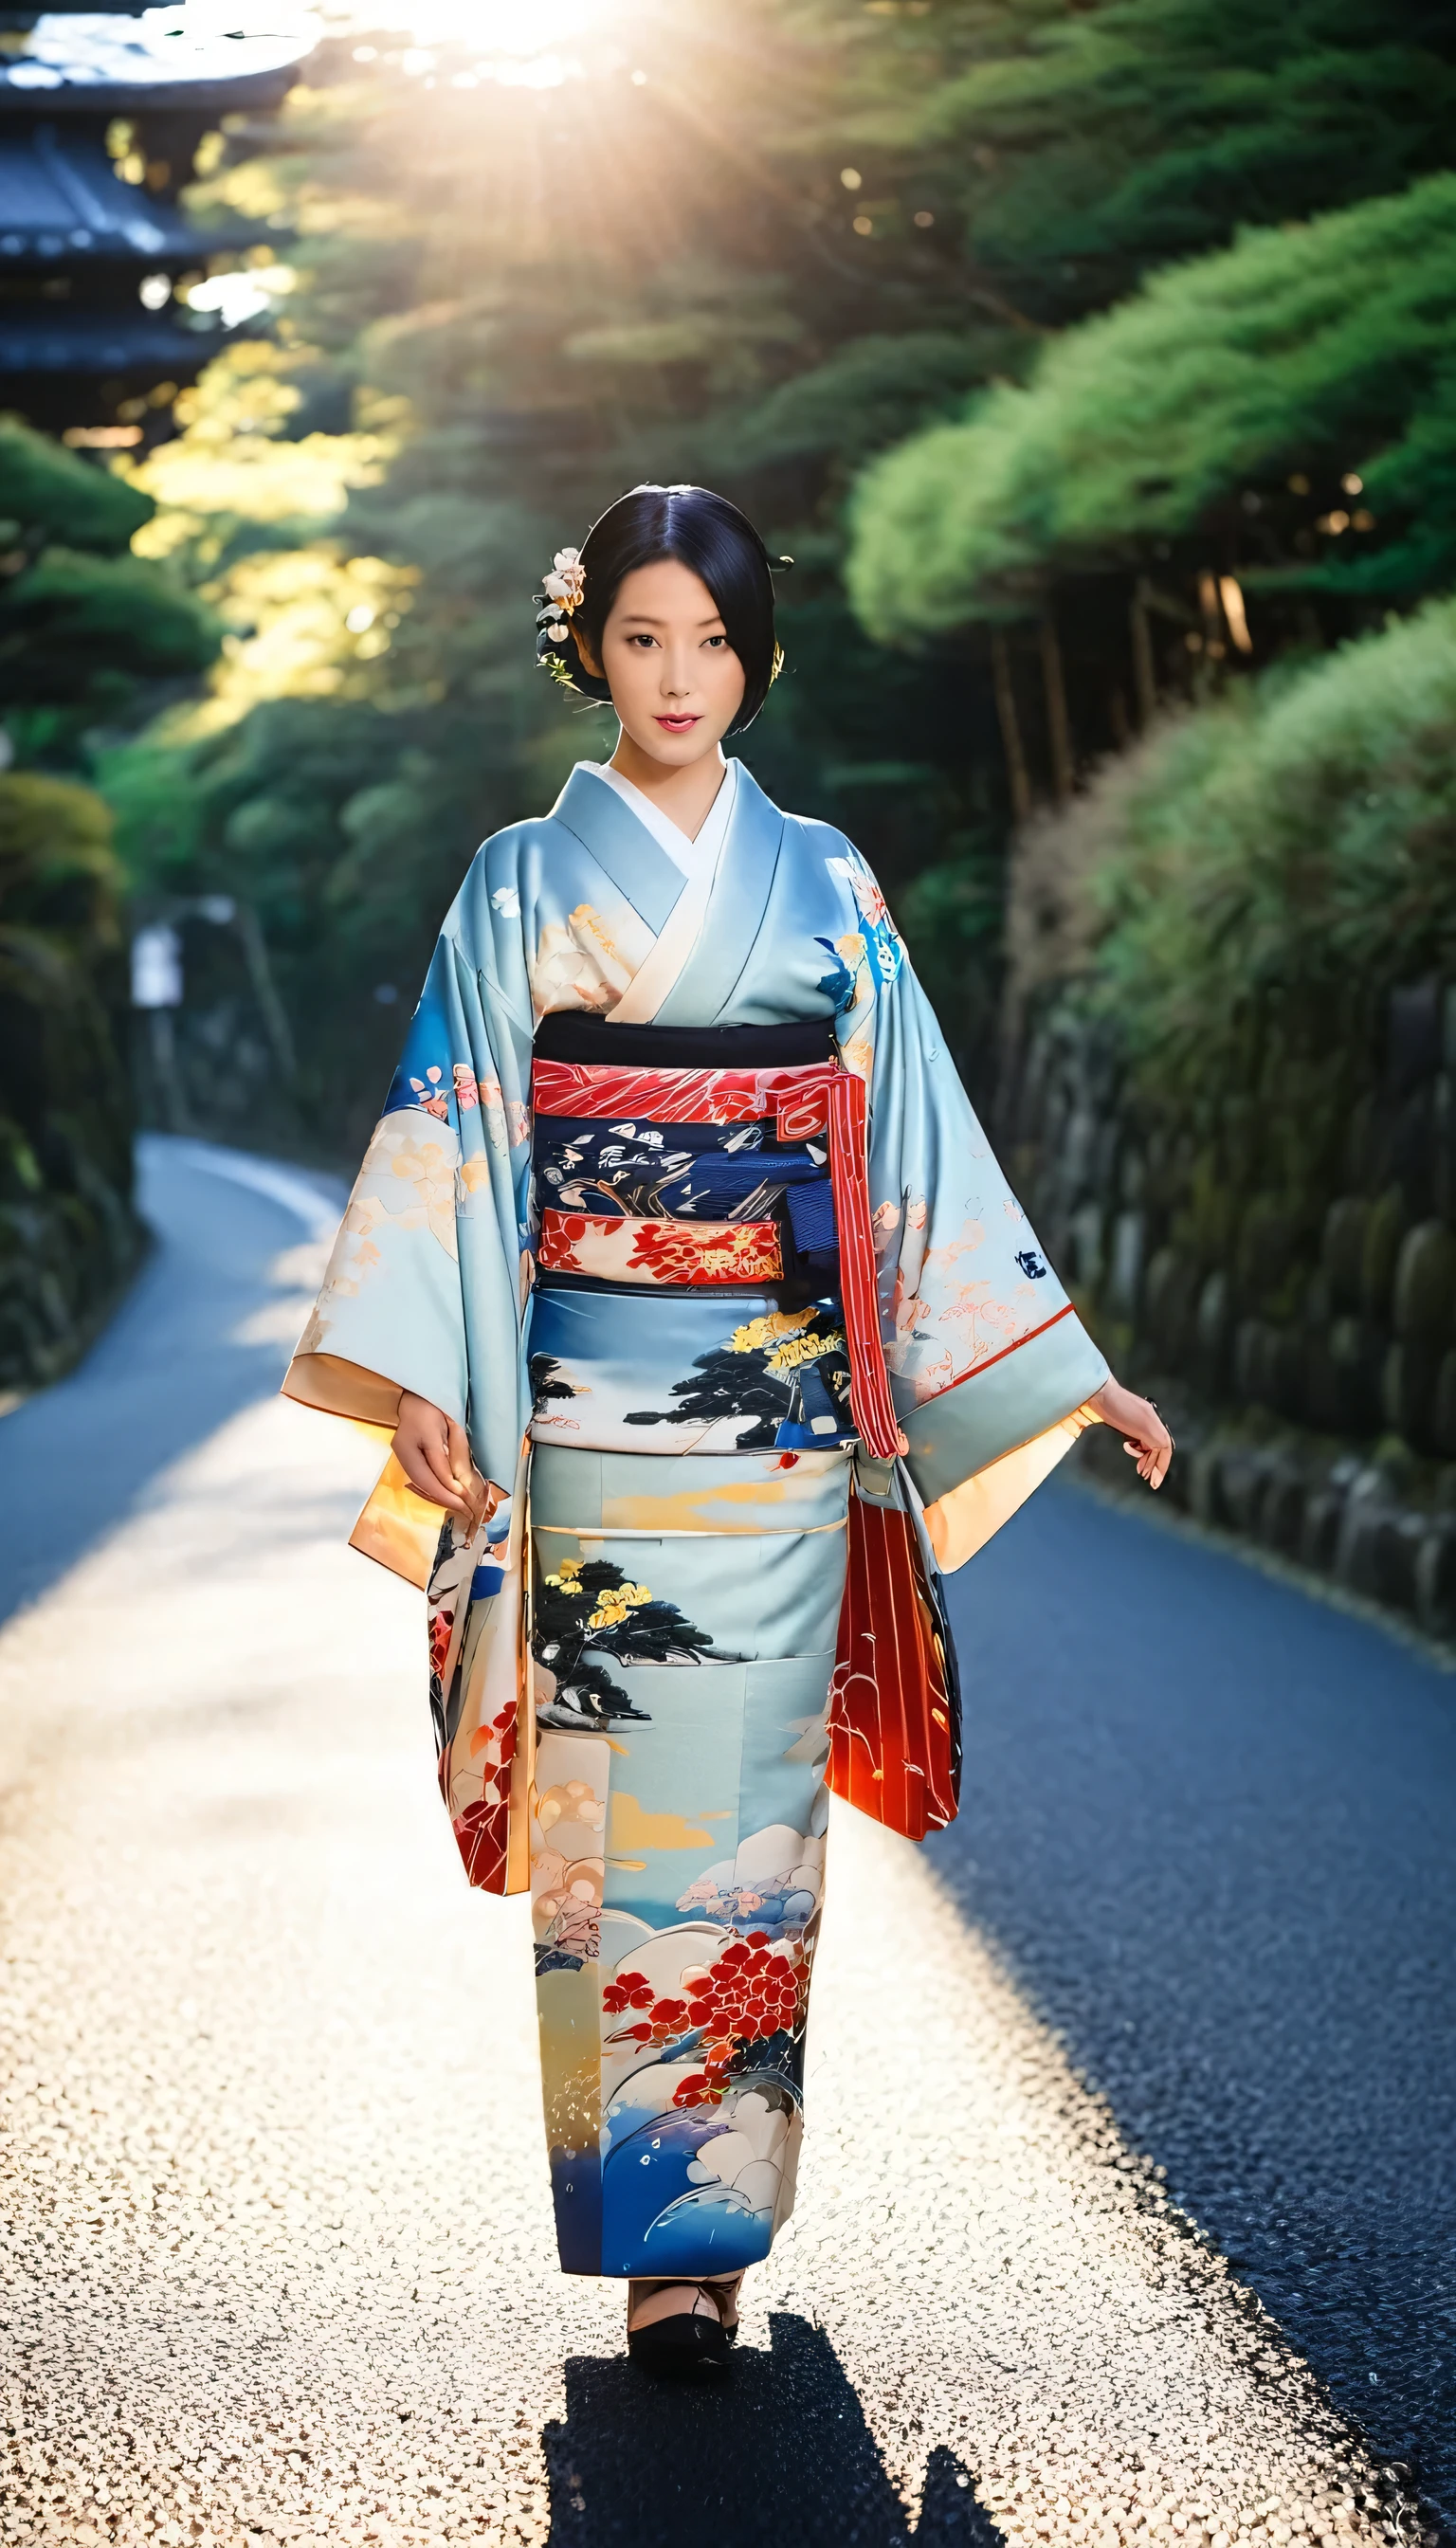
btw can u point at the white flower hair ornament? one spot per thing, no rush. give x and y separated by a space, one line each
566 586
562 593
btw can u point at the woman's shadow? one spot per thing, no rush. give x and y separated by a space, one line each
782 2450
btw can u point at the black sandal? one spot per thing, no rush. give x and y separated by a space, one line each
688 2342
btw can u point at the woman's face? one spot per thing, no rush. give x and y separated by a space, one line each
676 682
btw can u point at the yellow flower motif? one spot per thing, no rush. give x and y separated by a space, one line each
613 1608
766 1331
799 1349
570 1566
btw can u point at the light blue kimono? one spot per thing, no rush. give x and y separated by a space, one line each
656 1744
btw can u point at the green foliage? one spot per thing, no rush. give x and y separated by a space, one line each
866 395
1319 348
953 913
47 493
73 624
1078 146
1282 855
1234 1100
68 1235
81 622
58 868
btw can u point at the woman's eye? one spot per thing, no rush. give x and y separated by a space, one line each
715 641
642 640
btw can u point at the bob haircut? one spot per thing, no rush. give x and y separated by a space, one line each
700 530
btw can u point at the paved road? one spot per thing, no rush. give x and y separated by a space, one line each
276 2236
1212 1826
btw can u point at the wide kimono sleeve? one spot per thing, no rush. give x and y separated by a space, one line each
990 1366
428 1284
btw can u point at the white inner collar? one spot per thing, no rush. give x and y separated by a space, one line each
691 857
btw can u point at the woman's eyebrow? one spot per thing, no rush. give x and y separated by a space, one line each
647 619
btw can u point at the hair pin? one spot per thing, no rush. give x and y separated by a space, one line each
566 586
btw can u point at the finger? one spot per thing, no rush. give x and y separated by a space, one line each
422 1456
422 1478
465 1475
431 1449
457 1452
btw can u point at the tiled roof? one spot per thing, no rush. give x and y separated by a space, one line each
61 201
98 341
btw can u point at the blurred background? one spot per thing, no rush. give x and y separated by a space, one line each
1095 364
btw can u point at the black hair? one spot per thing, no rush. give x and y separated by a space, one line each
700 530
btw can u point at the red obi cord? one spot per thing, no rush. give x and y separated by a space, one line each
817 1097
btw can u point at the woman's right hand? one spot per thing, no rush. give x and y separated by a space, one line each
435 1454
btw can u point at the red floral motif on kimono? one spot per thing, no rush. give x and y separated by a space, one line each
441 1629
561 1235
664 1251
754 1990
466 1089
673 1251
479 1836
481 1828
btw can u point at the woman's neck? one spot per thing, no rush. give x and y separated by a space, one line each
683 793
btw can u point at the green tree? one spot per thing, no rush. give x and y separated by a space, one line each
68 1237
1074 148
86 630
1286 410
83 623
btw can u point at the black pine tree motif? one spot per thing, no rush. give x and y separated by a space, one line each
643 1630
545 1384
735 1381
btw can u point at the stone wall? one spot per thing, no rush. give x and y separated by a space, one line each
1275 1262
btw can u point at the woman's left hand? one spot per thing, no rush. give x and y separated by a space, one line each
1146 1438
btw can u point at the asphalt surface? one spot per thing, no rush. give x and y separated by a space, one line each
274 2224
1211 1823
194 1341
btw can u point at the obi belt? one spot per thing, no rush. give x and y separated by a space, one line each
716 1160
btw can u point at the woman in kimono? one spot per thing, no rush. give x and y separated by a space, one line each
683 1279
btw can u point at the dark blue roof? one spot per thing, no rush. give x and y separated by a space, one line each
98 341
62 200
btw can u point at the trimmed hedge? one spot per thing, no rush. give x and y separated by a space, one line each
1323 345
1235 1107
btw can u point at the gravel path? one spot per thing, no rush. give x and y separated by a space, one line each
277 2245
